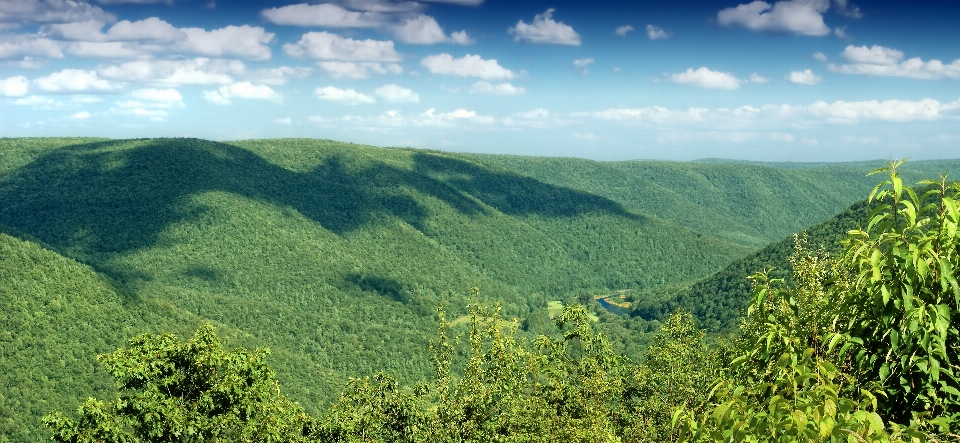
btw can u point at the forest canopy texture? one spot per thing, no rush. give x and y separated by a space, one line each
861 346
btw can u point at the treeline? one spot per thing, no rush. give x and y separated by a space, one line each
860 347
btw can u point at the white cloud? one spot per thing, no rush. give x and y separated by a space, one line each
199 71
452 118
705 78
656 33
343 96
876 55
75 80
280 75
242 90
81 115
882 61
325 14
113 50
888 110
805 77
358 70
424 30
485 88
14 86
397 94
840 32
87 30
51 11
545 30
466 66
232 41
21 45
820 57
623 30
153 29
839 112
215 98
39 102
327 46
581 64
798 17
757 78
283 121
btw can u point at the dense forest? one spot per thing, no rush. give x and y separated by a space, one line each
336 256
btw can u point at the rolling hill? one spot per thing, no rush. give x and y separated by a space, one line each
336 255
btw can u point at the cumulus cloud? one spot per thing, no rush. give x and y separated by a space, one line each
51 11
70 81
656 33
22 45
707 79
886 62
397 94
343 96
623 30
805 77
888 110
198 71
14 86
798 17
232 41
153 29
283 121
466 66
424 30
581 64
757 78
545 30
820 57
452 118
82 115
280 75
87 30
113 50
839 112
241 90
357 70
327 46
486 88
325 14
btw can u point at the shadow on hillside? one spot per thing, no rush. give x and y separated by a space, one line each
118 196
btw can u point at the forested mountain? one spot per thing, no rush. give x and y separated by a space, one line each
748 203
718 301
336 255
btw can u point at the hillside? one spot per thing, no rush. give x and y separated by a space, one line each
748 203
333 255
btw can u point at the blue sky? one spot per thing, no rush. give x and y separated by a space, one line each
798 80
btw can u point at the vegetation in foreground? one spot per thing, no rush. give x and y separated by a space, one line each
861 348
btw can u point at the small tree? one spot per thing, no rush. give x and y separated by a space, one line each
191 391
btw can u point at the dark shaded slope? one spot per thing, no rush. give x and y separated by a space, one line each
718 301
